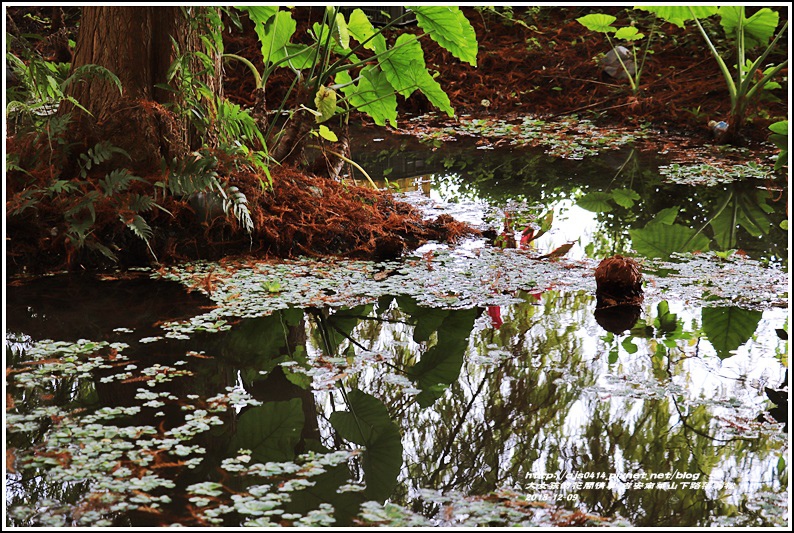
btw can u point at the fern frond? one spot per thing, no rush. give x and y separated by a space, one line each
141 203
98 154
238 204
140 228
92 244
78 230
117 181
91 71
192 175
63 186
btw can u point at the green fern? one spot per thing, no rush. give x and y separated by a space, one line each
235 123
101 152
63 186
192 175
141 203
117 181
139 227
91 71
101 248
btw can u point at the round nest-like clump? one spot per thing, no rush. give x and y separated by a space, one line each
618 282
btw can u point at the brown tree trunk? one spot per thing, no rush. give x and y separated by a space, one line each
135 44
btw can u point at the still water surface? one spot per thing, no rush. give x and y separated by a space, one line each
398 412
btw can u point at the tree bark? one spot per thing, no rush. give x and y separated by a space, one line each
135 44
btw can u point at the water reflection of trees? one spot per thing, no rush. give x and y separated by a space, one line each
530 181
537 411
478 408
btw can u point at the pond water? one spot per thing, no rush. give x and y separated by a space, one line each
465 385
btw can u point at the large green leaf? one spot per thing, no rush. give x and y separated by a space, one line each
368 424
780 138
724 227
270 431
449 28
325 102
404 67
301 56
727 328
662 240
425 319
341 32
361 29
259 15
341 324
781 128
752 215
666 216
597 202
758 29
598 22
625 197
373 95
397 64
431 89
275 36
364 422
679 14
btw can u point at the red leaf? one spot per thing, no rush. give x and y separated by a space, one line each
495 312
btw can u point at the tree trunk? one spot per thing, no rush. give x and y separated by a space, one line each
135 44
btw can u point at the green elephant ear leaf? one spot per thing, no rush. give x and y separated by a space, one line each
598 22
679 14
450 28
757 30
728 328
440 365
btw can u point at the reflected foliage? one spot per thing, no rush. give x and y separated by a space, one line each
636 207
368 414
